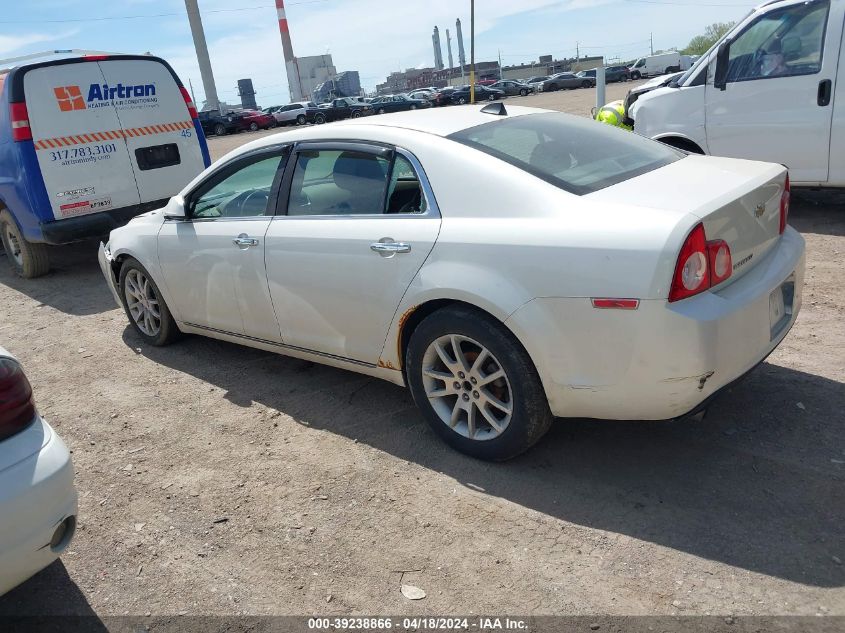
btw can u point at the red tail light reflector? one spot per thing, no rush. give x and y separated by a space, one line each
192 109
619 304
784 204
17 407
20 122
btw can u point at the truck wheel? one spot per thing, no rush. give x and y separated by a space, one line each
320 118
220 129
27 260
356 114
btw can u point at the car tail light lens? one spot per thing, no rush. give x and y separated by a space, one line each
192 109
692 273
784 204
17 407
20 122
719 258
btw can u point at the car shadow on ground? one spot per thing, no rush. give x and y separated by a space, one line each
74 285
50 600
759 484
818 211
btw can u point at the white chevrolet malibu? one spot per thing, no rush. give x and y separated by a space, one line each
507 266
37 498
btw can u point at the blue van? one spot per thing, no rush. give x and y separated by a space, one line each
88 141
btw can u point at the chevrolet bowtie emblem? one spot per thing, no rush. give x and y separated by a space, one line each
759 210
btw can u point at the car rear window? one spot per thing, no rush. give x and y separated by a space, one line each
578 155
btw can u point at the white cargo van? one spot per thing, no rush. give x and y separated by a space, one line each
661 64
773 89
87 141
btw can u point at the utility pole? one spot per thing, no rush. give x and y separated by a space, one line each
472 51
652 43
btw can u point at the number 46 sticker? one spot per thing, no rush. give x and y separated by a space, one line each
186 133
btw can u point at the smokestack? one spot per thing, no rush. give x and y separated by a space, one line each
438 52
201 47
449 49
291 65
462 59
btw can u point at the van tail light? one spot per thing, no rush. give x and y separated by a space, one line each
20 122
701 265
17 407
192 109
784 204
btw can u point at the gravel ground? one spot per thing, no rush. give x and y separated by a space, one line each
216 479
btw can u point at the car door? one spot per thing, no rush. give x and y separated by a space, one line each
213 261
775 105
355 224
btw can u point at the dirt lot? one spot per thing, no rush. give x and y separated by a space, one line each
215 479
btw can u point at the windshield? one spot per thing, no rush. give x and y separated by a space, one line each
577 155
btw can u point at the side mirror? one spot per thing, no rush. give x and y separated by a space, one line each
175 209
720 80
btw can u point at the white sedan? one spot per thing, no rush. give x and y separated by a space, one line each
507 266
37 498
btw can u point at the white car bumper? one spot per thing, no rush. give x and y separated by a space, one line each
105 260
662 360
37 498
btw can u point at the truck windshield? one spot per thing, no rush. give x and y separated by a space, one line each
704 59
577 155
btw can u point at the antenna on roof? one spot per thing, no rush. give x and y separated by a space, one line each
497 108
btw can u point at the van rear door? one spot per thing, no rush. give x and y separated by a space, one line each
83 157
162 142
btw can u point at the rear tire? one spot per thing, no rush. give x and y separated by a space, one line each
220 129
320 118
145 307
523 93
636 75
300 120
26 259
356 114
586 84
494 421
253 127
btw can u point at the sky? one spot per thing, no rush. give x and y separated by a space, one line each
374 37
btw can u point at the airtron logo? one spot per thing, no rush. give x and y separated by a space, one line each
70 97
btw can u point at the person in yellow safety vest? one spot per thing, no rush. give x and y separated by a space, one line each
613 113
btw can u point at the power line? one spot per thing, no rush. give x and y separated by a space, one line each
153 15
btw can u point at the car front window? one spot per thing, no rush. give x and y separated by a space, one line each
244 192
579 156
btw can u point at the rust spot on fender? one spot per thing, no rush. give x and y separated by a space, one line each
386 364
401 326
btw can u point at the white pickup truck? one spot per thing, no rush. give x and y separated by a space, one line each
773 89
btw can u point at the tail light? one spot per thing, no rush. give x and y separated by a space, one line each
20 122
17 407
784 204
192 109
701 265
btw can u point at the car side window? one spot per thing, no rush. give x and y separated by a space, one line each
404 193
338 182
243 191
782 43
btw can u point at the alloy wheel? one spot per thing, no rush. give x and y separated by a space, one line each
467 387
142 302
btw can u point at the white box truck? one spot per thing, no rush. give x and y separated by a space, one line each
661 64
773 89
87 141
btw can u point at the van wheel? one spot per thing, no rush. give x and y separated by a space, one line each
27 260
300 120
220 129
142 301
635 75
476 385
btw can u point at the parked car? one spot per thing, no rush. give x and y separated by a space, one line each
256 120
784 58
367 255
219 124
442 96
424 94
298 113
38 501
342 108
86 143
397 103
617 73
511 88
482 93
536 82
589 76
565 81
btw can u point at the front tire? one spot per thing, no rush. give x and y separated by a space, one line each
145 307
320 118
220 129
26 259
523 93
253 127
636 75
476 385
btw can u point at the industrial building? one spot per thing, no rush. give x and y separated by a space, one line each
344 84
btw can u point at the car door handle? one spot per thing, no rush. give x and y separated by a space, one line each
825 88
388 249
244 241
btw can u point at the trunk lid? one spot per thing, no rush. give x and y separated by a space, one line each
738 201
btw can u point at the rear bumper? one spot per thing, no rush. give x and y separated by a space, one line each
36 497
95 225
662 360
